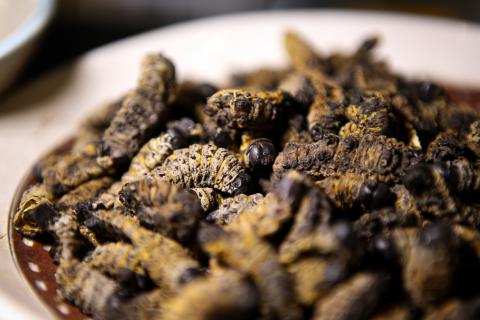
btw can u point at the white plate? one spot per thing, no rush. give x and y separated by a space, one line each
48 110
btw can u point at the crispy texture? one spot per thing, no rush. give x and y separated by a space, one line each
238 108
377 157
142 109
205 166
230 208
71 170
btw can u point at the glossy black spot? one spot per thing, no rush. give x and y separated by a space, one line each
43 216
419 179
382 196
261 153
177 138
428 91
241 183
222 139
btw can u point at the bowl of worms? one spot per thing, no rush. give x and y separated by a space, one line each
281 165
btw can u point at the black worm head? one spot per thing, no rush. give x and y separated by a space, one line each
375 195
428 91
177 138
241 183
222 139
260 153
419 179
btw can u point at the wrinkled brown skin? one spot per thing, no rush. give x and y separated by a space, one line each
166 208
152 154
164 259
249 254
370 156
220 295
312 159
327 109
432 192
465 177
208 197
37 206
372 114
278 208
72 170
85 192
236 108
205 166
232 207
446 146
113 258
85 287
456 309
34 201
339 241
142 110
346 191
91 128
300 89
355 299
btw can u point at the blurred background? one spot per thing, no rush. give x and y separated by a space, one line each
80 25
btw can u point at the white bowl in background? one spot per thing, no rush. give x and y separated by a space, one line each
21 23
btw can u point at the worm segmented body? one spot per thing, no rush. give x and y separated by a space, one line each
371 156
232 207
86 287
71 170
142 109
243 109
205 166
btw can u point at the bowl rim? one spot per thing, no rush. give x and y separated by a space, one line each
43 11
